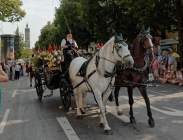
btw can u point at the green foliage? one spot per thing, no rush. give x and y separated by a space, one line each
10 10
48 36
94 20
26 53
19 43
70 16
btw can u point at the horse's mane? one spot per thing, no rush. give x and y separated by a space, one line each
137 42
109 42
136 46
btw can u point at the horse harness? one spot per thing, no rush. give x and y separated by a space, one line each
83 69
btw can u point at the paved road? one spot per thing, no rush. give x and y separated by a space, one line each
23 118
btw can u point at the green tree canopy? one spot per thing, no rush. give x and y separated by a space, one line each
10 10
48 34
19 44
94 20
26 53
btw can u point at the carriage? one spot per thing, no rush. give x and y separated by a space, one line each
52 78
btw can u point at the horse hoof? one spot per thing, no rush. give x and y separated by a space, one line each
132 120
151 122
108 132
101 125
120 113
82 111
79 117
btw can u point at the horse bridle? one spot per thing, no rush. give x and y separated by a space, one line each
98 57
117 48
145 58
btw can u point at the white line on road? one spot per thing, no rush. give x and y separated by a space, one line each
22 91
167 110
12 122
4 121
14 93
69 131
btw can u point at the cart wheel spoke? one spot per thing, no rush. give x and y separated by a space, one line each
65 94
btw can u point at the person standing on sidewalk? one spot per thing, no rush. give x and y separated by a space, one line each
13 72
17 71
7 69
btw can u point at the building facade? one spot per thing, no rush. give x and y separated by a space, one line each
27 36
7 46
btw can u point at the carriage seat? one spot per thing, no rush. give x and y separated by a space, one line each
82 70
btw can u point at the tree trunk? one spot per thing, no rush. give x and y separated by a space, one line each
179 14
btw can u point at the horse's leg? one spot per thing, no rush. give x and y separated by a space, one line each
83 106
98 96
80 101
105 99
131 101
116 94
143 92
76 95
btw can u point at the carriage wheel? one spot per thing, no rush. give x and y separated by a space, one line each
39 88
65 94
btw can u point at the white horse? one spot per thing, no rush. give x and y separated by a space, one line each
99 76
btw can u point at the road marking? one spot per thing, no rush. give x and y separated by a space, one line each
177 121
69 131
122 117
4 121
12 122
14 93
167 111
172 112
157 92
22 91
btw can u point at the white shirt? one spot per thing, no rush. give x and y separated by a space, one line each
70 40
17 68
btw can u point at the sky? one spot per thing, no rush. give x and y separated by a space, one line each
38 13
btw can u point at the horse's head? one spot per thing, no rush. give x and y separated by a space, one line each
121 51
142 48
145 38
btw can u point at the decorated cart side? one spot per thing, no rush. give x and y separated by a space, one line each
49 75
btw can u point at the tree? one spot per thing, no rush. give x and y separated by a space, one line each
94 20
179 11
10 10
26 53
48 34
19 43
69 16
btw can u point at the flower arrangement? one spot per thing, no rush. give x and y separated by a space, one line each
53 59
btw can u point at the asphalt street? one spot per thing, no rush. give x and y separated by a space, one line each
23 117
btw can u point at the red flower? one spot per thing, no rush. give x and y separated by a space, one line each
50 49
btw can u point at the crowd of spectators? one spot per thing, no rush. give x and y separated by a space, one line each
13 69
165 69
